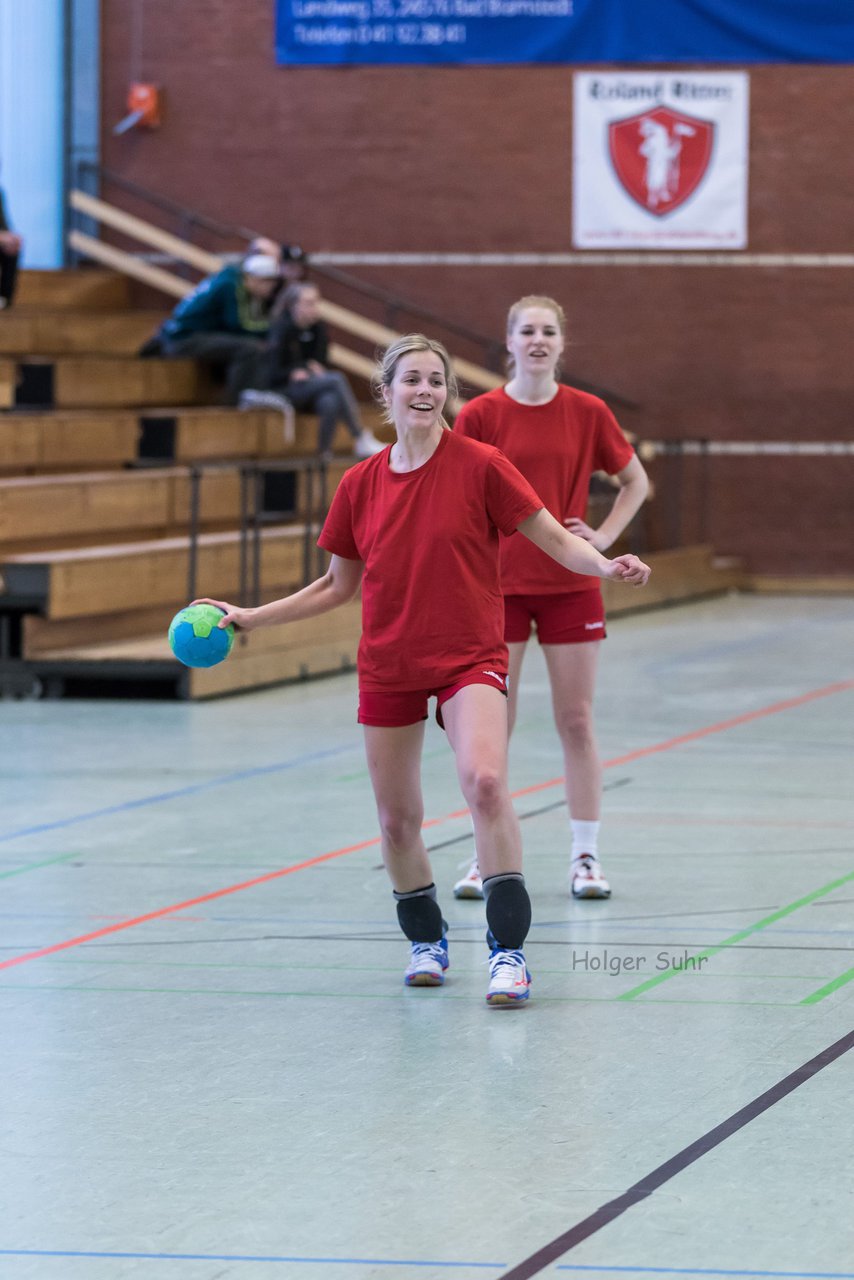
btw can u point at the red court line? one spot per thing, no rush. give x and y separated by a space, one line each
640 754
840 687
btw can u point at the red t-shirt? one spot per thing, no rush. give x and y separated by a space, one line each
432 607
557 446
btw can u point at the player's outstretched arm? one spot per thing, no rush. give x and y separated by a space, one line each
338 585
580 556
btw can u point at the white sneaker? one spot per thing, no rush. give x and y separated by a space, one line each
471 885
264 400
251 399
427 964
509 979
586 879
366 445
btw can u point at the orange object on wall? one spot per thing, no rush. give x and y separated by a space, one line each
145 100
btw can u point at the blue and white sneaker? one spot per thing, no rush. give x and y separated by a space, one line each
427 964
509 979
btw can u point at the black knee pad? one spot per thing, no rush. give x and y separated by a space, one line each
508 910
420 915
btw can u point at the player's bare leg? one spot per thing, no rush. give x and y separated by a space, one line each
476 723
394 763
572 673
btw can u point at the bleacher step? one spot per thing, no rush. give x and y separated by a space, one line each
314 647
34 331
90 290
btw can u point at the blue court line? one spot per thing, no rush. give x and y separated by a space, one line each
412 1262
240 1257
713 1271
195 789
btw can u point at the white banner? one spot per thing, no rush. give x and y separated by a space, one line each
660 160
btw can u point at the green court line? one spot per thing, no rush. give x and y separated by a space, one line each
738 937
831 987
34 866
397 995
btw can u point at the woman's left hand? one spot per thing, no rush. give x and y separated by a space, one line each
629 569
582 530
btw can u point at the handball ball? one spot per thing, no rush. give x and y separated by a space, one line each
196 639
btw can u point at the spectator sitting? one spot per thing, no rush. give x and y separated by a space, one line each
291 258
226 320
10 248
298 371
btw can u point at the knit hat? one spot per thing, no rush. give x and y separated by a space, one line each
260 265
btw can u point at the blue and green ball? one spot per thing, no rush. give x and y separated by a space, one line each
196 638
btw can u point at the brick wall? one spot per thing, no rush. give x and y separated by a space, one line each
479 159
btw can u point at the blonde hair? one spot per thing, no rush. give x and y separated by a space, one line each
524 304
409 344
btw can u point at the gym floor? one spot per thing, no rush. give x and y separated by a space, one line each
211 1067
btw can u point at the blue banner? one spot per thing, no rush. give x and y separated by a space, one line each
433 32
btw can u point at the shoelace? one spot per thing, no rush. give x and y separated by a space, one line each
586 865
505 960
427 951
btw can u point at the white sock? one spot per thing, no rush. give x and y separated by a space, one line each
585 837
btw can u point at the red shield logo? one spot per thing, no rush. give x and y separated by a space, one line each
661 156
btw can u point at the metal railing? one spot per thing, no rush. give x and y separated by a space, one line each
391 309
264 502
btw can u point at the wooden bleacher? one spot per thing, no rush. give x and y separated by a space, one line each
97 448
60 510
49 441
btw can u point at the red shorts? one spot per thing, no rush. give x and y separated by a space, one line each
394 710
572 617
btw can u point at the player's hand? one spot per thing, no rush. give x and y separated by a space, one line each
631 570
300 375
582 530
239 618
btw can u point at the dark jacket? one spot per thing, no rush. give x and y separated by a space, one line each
220 304
295 346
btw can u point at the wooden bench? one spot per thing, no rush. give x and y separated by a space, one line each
208 433
62 439
30 331
76 289
91 582
8 379
69 382
314 647
57 510
53 441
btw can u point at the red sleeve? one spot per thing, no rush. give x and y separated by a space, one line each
467 421
613 451
510 499
337 534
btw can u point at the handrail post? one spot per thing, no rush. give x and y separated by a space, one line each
308 524
256 537
319 553
193 556
244 535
